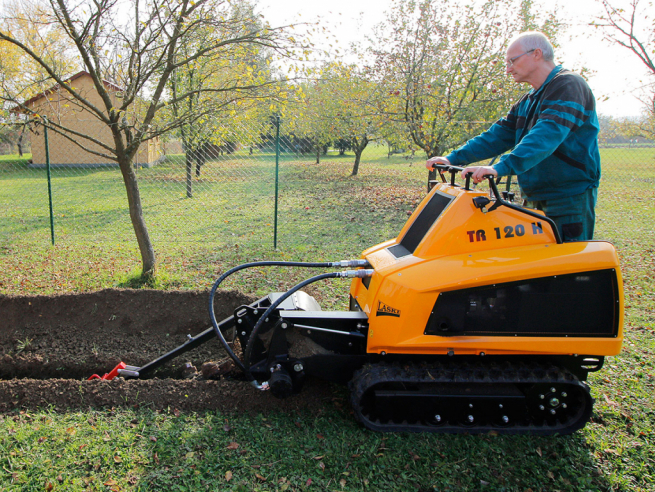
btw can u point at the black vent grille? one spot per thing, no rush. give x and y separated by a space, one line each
579 305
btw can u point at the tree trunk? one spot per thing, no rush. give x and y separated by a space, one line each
358 155
318 154
358 148
136 215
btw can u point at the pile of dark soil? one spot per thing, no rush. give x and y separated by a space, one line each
49 345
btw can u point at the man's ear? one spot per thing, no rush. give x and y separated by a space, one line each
538 54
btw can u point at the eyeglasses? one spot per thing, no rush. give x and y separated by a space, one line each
511 61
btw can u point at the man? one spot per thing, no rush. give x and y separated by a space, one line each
552 132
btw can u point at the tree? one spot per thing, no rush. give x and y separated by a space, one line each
20 75
620 130
610 130
631 25
357 118
348 106
218 117
308 125
137 46
441 67
337 108
13 135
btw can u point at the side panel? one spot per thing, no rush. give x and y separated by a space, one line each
400 298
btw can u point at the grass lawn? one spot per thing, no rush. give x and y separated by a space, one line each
325 214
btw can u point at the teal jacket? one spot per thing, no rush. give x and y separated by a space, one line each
552 133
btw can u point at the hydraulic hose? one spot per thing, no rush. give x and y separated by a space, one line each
212 294
278 301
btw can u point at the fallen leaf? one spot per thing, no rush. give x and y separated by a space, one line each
610 402
153 438
233 445
550 475
320 436
342 482
260 477
49 486
318 457
227 428
321 465
228 475
308 482
176 412
539 452
118 459
71 431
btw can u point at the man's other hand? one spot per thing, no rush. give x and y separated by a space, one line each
478 172
436 160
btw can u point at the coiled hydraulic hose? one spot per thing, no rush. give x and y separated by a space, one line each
212 294
251 341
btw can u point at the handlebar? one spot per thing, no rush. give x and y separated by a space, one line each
453 170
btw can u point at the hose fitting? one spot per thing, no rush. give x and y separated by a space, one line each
356 273
351 264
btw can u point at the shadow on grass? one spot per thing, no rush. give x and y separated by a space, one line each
328 447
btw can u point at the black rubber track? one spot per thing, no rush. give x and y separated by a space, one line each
529 385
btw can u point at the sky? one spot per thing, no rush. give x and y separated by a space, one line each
616 72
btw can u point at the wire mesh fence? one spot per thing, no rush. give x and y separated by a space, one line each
246 186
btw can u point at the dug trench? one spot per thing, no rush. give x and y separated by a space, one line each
50 345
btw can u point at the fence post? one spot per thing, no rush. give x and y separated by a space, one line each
276 122
47 165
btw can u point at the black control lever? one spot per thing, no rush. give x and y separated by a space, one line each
501 202
481 202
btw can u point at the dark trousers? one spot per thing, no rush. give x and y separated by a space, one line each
575 216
